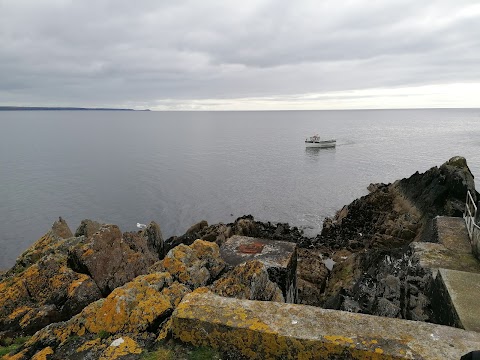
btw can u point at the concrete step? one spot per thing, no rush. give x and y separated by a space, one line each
452 233
456 295
450 248
268 330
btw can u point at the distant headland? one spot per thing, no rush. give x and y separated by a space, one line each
37 108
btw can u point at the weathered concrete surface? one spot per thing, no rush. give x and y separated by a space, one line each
451 249
280 258
461 291
452 233
435 256
261 330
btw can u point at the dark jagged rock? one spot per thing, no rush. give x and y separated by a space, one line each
387 283
87 228
243 226
382 277
312 275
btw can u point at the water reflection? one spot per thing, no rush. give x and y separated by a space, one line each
314 153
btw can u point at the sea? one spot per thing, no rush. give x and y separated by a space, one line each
178 168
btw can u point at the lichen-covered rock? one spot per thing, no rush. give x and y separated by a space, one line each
249 281
49 243
196 265
121 347
138 308
46 292
110 259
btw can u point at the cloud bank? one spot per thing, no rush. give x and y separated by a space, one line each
240 55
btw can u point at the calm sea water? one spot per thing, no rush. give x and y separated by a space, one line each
178 168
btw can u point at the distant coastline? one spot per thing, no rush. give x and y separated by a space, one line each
36 108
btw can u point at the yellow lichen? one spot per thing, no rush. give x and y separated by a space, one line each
18 312
20 356
338 340
42 355
123 346
88 345
165 331
75 284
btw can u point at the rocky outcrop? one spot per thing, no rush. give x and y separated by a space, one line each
112 259
61 274
312 275
249 281
54 241
41 288
87 228
381 276
243 226
140 309
196 265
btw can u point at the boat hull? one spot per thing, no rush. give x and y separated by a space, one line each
321 144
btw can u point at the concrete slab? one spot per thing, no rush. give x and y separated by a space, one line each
452 233
435 256
280 258
462 291
266 330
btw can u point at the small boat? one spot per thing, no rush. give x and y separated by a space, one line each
141 226
315 142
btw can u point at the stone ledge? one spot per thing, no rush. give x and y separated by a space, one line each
457 296
266 330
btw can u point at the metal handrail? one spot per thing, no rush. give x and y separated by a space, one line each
470 214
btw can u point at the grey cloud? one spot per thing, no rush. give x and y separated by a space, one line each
117 52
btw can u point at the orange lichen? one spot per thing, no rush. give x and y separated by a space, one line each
88 345
75 284
19 312
43 354
20 356
121 347
131 307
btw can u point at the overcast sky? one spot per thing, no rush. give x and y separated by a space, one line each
238 55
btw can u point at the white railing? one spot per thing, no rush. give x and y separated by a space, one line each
470 214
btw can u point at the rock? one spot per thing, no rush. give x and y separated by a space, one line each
149 242
197 227
312 276
53 241
243 226
196 265
249 281
61 229
47 291
137 308
110 260
279 257
389 283
87 228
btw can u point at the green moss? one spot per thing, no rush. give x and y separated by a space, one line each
203 353
173 350
4 350
21 340
160 354
102 334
